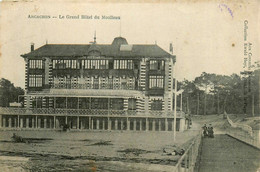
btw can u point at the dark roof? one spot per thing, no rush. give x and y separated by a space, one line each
112 50
119 41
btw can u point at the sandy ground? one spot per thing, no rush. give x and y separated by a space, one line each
92 150
99 150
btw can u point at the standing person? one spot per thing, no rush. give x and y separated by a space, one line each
210 130
205 130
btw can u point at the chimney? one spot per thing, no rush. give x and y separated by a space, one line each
32 47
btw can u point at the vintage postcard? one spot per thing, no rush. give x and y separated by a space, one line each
129 85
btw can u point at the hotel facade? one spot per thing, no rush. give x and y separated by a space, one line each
94 86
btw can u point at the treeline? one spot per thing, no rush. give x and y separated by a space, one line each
8 92
214 94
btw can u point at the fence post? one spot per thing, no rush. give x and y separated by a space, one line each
186 162
191 157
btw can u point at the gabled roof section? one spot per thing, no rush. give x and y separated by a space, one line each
111 50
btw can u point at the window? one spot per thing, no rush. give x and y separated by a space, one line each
74 82
116 83
129 64
86 64
74 64
110 82
58 64
131 104
156 105
35 80
94 64
54 64
67 63
99 103
96 82
116 104
103 64
116 64
156 65
156 81
110 64
103 82
64 64
123 64
35 64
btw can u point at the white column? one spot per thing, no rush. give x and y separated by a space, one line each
146 124
128 123
109 124
166 124
39 122
66 120
27 122
116 124
141 124
78 122
36 122
92 123
15 122
134 125
4 122
1 121
33 122
89 123
21 123
45 122
97 124
153 125
18 121
122 124
54 122
160 126
103 124
10 122
81 124
50 123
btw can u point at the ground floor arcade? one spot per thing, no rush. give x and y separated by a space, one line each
91 122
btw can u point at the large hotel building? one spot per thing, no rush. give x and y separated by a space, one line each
94 86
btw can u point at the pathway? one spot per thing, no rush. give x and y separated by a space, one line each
226 154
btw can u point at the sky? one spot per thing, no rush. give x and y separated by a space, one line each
207 36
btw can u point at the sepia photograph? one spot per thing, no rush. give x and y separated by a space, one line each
129 86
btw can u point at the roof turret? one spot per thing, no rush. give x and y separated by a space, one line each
119 41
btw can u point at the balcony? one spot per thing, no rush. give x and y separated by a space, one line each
87 112
94 86
155 91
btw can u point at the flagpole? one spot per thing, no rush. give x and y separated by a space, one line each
175 94
175 104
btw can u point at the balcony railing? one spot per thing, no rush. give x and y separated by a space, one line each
95 86
87 112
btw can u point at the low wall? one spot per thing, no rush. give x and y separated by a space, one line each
189 160
245 134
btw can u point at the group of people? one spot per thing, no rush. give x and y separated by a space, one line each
208 131
18 139
174 152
